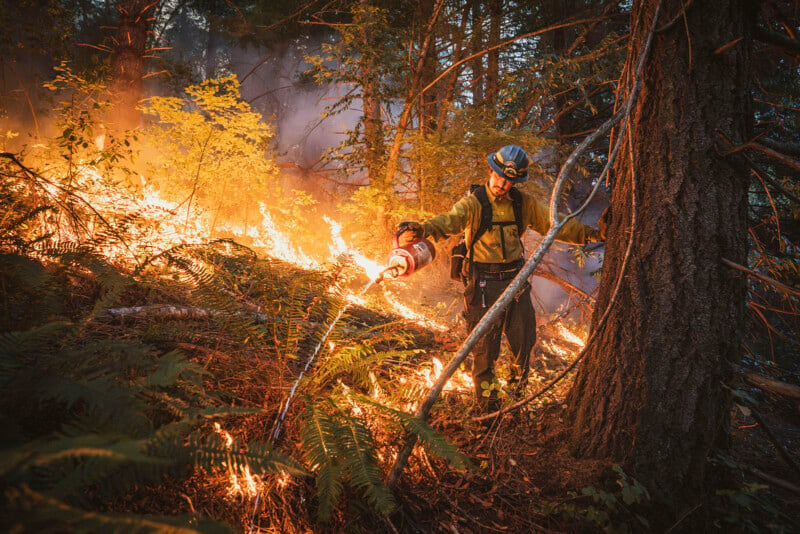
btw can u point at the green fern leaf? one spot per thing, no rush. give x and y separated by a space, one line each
318 439
360 465
430 438
33 511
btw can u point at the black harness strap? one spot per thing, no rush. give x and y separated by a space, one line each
486 216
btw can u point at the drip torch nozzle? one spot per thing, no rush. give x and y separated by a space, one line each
392 271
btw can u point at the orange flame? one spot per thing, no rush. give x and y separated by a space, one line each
241 482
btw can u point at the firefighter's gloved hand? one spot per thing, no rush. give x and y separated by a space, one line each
407 232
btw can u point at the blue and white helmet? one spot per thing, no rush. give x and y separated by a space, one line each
510 162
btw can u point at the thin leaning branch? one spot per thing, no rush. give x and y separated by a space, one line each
516 285
783 288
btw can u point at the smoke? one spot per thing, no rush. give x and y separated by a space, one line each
274 82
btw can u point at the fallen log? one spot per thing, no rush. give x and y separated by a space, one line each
177 312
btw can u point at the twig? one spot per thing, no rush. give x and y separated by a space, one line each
774 154
686 514
681 14
775 480
772 439
783 288
757 169
771 385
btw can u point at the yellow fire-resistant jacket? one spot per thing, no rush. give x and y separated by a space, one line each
492 247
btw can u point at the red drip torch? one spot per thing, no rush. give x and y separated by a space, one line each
408 259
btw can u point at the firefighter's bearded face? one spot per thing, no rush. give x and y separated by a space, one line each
499 185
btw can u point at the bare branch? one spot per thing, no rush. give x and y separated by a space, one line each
771 385
775 443
777 39
760 172
783 288
784 148
789 162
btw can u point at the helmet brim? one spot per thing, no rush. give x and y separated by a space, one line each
520 178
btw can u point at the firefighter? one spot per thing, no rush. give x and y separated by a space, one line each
494 259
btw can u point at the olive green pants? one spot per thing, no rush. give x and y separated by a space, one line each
517 322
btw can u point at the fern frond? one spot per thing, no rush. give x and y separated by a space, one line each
25 345
356 361
321 449
32 511
171 366
360 464
64 466
430 438
214 452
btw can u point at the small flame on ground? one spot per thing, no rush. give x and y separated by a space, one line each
568 336
241 482
460 381
404 311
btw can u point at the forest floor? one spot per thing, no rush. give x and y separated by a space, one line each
523 477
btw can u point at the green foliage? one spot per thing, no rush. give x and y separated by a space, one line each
744 509
85 412
211 148
612 512
341 449
82 108
747 507
433 441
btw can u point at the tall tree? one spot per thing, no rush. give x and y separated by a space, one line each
651 391
493 57
370 92
128 60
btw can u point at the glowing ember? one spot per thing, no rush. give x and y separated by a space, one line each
283 479
460 381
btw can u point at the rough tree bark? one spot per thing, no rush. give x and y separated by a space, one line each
495 8
650 392
370 97
128 59
477 16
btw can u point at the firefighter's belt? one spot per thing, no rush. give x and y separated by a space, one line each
498 271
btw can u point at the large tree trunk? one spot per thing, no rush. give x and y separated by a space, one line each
477 45
493 57
128 58
650 392
370 97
